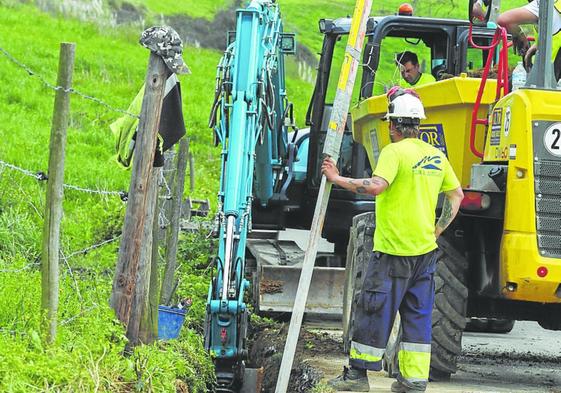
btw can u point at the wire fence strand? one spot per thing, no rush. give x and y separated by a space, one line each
49 85
66 258
41 176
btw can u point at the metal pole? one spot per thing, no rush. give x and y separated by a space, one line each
53 207
541 75
332 147
495 11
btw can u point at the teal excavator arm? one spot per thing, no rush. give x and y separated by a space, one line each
248 120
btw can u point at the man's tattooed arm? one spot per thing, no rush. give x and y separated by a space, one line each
372 186
450 208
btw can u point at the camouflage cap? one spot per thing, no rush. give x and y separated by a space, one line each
165 42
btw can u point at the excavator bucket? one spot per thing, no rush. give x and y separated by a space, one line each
277 273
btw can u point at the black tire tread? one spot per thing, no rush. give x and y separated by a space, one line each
361 241
449 311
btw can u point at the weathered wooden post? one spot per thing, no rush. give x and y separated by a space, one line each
53 207
135 218
142 310
191 172
173 230
151 315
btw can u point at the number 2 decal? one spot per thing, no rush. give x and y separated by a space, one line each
552 139
554 145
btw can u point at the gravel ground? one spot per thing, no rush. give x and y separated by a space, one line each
526 360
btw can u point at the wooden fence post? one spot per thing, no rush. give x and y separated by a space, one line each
191 172
140 322
124 282
55 190
151 330
173 230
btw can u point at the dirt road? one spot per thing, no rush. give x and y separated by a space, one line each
526 360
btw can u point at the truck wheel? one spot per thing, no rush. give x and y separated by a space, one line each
358 254
553 321
449 312
484 325
501 326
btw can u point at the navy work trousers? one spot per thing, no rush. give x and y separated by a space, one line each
395 283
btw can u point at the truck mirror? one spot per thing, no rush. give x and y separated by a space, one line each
288 43
479 11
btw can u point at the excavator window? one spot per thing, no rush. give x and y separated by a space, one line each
476 58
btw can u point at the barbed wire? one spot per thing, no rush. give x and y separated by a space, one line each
71 90
81 313
72 276
26 172
92 247
41 176
83 251
21 269
123 195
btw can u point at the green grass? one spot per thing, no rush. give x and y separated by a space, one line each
87 354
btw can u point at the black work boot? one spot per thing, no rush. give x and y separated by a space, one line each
352 380
401 387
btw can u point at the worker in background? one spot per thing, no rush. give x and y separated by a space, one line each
409 176
529 13
411 75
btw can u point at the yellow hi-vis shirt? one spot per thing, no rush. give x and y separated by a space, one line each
406 211
426 77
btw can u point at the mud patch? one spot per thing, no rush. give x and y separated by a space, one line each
126 13
200 32
271 286
266 349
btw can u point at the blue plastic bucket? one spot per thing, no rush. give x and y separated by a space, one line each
170 320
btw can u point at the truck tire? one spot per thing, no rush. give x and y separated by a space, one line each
448 317
501 326
358 254
552 321
449 311
485 325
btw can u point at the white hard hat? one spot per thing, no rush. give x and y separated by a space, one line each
404 104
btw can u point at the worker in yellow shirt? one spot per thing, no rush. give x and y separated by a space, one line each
408 178
411 75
